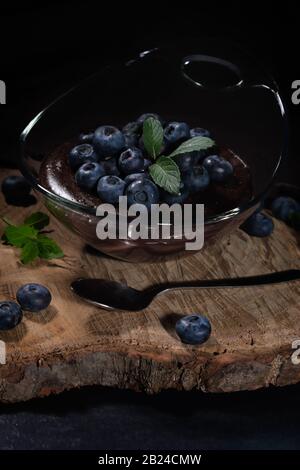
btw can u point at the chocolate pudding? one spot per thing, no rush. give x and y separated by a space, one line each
57 176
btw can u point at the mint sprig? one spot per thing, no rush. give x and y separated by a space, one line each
28 237
38 220
165 172
193 145
153 136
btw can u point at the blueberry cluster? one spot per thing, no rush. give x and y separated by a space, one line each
33 297
111 162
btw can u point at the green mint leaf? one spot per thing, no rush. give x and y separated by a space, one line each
18 236
192 145
32 242
30 251
153 135
38 220
165 173
48 248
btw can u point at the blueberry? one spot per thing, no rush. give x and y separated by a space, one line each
147 163
140 120
15 187
283 207
142 191
110 188
193 329
16 191
258 225
141 146
33 297
132 132
219 169
185 161
21 202
210 161
175 198
175 133
136 176
88 175
199 132
110 166
131 140
132 128
131 161
80 154
10 315
108 141
198 179
86 137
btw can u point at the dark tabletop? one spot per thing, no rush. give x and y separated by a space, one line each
107 419
62 43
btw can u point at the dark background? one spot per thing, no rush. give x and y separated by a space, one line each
44 50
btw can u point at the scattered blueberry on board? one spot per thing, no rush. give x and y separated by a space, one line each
193 329
258 225
283 207
10 315
33 297
16 191
125 156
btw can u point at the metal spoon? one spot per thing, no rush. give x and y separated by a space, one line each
112 295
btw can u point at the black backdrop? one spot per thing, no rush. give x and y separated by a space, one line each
47 48
44 50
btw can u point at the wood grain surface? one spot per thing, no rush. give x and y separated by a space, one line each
73 344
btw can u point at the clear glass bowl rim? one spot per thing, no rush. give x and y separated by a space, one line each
75 206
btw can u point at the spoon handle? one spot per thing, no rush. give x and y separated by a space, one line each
259 280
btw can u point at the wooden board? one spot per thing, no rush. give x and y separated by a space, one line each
73 343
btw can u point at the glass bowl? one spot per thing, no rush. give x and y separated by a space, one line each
210 85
